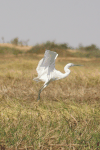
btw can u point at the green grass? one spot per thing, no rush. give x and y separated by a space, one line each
66 117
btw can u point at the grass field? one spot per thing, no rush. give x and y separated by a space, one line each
66 118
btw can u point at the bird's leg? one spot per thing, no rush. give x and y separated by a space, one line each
41 91
39 95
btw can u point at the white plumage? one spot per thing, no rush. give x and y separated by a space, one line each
47 72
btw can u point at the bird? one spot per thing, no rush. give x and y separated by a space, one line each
47 72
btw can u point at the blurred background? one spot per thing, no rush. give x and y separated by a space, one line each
55 23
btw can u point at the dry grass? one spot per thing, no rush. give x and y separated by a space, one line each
66 117
23 48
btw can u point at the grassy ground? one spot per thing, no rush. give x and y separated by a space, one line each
66 117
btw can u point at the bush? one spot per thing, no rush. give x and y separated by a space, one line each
15 41
61 49
88 48
8 50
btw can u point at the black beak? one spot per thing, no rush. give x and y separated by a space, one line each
78 65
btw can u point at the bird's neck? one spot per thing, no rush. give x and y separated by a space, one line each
67 71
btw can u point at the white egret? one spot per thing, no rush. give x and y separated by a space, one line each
47 72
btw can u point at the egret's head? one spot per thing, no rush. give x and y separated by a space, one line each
70 65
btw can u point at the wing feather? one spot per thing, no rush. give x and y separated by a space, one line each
47 63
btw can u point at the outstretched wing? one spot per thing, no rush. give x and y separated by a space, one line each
47 64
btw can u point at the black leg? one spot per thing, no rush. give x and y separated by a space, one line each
42 89
39 95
